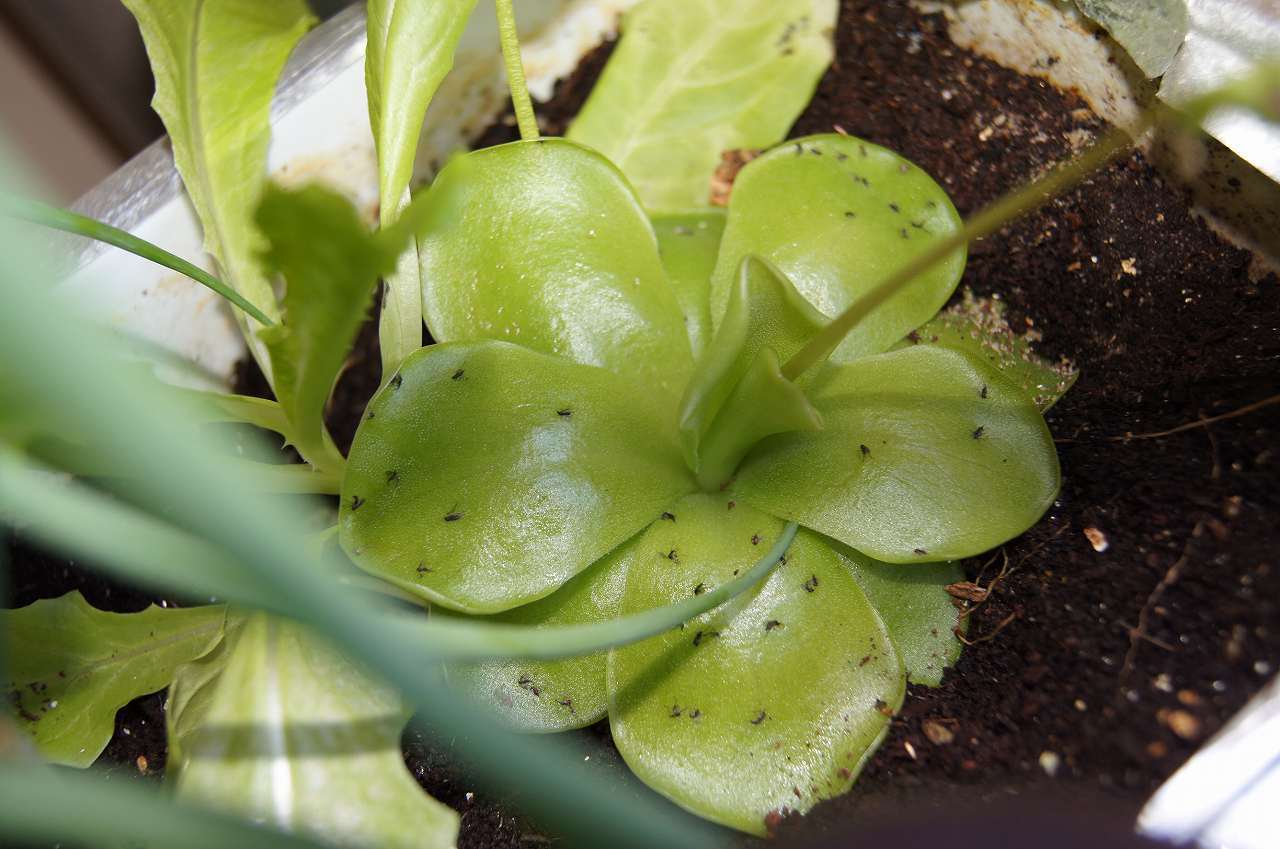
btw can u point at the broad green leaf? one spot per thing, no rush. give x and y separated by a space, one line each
486 475
1151 31
926 455
216 63
331 263
73 666
916 608
689 243
837 215
543 244
719 417
977 327
551 695
691 79
768 704
296 736
409 51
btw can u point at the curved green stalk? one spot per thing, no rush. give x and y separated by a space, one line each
1255 91
141 548
79 225
454 639
118 538
515 71
4 636
40 805
985 223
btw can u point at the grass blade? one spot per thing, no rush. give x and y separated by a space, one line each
462 639
41 805
126 542
71 222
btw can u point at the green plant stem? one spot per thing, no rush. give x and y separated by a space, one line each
79 225
510 37
138 547
72 517
291 478
4 634
985 223
41 805
456 639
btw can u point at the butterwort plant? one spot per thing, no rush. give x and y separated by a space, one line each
576 448
752 428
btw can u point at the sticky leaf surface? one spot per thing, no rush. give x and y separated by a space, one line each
837 215
914 605
767 704
977 326
543 244
486 475
551 695
925 455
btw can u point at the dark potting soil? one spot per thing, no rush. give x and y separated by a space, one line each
1097 666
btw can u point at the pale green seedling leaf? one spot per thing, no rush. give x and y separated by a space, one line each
925 455
768 704
296 736
216 63
486 475
72 667
691 79
836 215
554 695
543 243
977 326
410 49
1151 31
330 263
764 311
763 403
916 608
689 243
